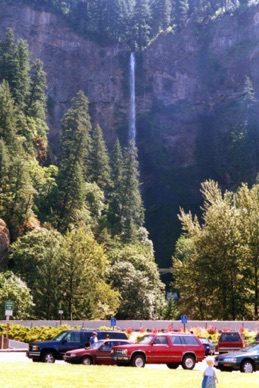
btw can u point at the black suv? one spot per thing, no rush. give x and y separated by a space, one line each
49 351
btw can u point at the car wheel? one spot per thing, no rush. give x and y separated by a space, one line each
188 362
247 367
48 357
138 361
172 365
87 360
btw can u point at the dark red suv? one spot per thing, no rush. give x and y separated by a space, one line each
172 349
231 341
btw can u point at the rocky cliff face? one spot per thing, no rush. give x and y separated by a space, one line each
188 84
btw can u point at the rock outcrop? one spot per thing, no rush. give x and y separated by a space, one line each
4 245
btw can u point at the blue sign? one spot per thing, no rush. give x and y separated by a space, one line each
113 322
184 319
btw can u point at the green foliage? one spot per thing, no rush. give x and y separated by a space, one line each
217 273
135 275
14 289
68 198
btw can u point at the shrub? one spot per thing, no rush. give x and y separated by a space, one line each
211 330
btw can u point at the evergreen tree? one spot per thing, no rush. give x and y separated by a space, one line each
142 22
69 196
98 163
8 117
116 199
161 11
14 66
23 76
36 106
9 60
132 213
180 11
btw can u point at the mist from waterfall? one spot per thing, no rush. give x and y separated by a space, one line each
132 116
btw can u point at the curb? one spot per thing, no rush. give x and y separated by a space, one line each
12 350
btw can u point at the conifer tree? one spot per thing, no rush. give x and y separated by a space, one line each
23 76
69 196
36 106
98 163
116 199
8 59
132 215
161 11
14 66
142 22
8 129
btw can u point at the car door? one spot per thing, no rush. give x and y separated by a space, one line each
159 351
71 341
177 348
103 354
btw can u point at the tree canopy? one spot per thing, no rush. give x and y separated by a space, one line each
216 262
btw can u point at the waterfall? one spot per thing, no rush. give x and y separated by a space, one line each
132 116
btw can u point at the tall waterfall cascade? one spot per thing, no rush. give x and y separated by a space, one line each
132 115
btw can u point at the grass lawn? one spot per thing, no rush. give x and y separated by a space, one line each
64 375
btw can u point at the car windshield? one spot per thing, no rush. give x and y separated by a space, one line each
96 345
251 348
147 339
60 336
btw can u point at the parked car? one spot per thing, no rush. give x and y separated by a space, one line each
231 341
209 346
246 360
98 353
49 351
172 349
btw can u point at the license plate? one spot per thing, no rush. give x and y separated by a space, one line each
216 363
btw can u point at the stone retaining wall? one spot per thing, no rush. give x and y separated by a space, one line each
137 324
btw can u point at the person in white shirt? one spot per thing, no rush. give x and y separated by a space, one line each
210 377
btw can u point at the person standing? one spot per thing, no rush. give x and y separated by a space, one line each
93 338
210 377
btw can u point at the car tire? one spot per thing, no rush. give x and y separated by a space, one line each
48 357
86 360
138 361
247 367
172 365
188 362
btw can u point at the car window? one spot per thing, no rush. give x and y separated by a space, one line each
188 340
229 337
73 337
161 340
107 346
175 340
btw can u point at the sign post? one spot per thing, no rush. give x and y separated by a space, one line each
184 321
8 313
113 322
60 316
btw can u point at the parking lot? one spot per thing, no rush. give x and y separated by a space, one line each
20 356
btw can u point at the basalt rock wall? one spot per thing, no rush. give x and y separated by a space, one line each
187 85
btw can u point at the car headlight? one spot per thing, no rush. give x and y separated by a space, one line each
230 359
124 351
35 347
71 354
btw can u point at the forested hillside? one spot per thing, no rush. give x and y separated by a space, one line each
76 228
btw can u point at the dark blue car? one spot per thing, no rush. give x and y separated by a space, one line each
209 346
246 360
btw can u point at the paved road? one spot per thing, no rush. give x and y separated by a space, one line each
21 357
